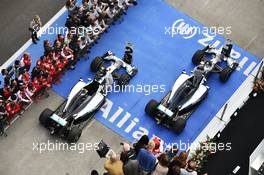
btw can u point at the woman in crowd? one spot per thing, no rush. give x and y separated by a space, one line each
162 166
180 161
34 27
26 61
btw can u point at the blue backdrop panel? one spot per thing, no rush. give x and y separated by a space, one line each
160 59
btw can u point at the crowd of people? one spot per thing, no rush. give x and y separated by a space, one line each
146 158
20 87
86 23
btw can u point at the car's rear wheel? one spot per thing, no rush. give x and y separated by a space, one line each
127 59
124 79
225 74
197 57
179 125
74 134
96 64
151 107
44 117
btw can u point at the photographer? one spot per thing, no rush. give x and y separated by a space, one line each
113 165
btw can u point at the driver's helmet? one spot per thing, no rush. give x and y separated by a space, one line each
208 63
100 73
102 70
110 53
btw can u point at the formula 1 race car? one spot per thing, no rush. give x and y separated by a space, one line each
84 100
208 60
97 65
189 90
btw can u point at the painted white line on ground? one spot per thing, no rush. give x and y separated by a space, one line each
29 42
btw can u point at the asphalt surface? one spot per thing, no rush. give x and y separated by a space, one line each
15 17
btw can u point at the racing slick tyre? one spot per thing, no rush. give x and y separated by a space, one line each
225 74
44 117
151 107
74 134
123 80
197 57
179 125
96 64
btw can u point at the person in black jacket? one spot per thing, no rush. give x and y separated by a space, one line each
142 143
75 46
47 48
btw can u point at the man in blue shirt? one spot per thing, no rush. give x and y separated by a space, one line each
146 159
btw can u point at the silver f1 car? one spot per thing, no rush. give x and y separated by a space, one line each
84 100
189 91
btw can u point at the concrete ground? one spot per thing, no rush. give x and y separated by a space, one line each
19 154
16 151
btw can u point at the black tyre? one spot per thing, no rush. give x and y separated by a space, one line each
197 57
74 134
124 79
127 59
179 125
151 107
44 117
96 64
225 74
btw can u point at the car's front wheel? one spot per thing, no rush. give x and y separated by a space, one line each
124 79
151 107
44 117
96 64
197 57
179 125
225 74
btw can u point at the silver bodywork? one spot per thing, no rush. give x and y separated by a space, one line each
217 57
182 104
118 63
97 98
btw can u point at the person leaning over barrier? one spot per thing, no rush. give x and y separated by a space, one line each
34 27
113 165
